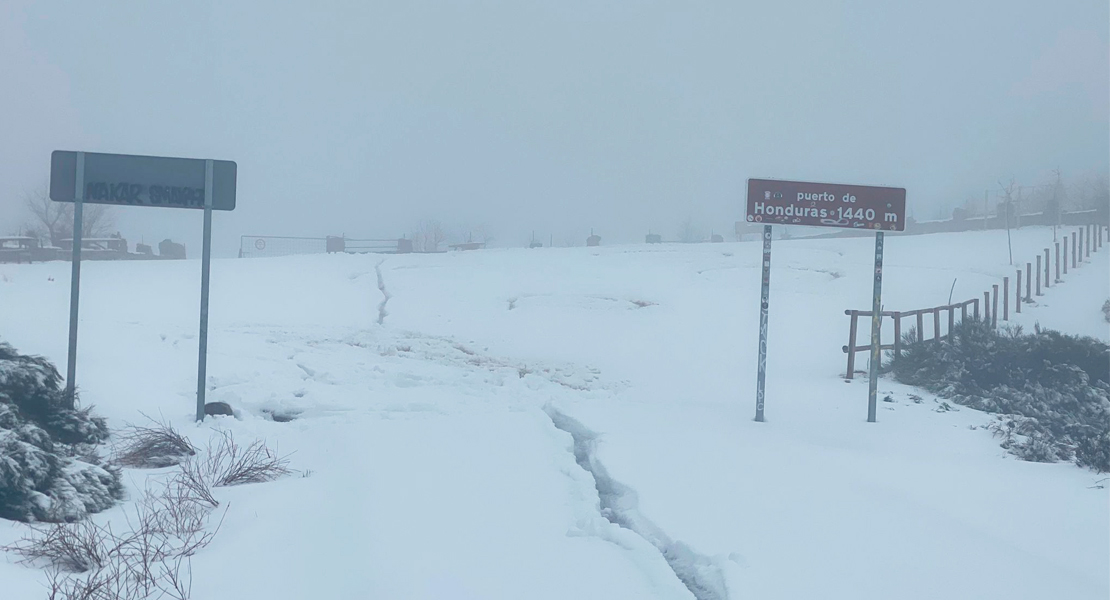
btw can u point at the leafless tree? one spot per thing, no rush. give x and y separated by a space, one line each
689 233
428 236
53 221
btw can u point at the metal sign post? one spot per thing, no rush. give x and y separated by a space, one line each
205 262
765 292
876 323
128 180
75 279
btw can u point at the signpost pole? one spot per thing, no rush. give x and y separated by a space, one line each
205 262
876 321
765 290
75 280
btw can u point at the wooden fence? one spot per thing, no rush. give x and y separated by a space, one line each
897 316
1082 241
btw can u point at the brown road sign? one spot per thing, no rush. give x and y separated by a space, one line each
775 202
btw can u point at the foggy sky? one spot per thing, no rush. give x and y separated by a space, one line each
364 117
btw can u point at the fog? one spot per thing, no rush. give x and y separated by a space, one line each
363 118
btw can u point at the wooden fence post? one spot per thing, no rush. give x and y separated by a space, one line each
1080 245
897 335
951 320
963 312
1028 282
852 345
1057 262
1038 274
1073 257
1088 241
936 324
986 307
994 308
1065 255
1017 292
1046 269
975 301
920 328
1005 298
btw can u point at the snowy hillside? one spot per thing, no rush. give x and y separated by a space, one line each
577 423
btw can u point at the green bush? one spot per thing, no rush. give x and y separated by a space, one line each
1052 389
49 467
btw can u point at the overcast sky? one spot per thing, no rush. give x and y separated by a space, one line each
364 117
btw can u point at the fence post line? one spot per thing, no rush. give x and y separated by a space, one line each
1017 292
897 335
1005 298
920 327
852 345
994 308
1038 274
951 320
936 324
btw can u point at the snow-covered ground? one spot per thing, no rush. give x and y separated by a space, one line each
577 423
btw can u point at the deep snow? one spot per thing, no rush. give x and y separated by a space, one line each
437 470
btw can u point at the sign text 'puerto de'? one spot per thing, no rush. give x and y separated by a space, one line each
130 180
808 204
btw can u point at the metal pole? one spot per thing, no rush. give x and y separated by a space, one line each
75 280
765 291
205 262
876 322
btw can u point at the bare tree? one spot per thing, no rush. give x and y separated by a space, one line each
689 233
428 236
53 221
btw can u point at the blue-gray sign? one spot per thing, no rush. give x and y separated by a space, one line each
130 180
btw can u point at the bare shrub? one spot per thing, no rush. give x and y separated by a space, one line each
152 447
227 463
151 559
72 547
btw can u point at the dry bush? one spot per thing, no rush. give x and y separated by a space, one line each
168 525
226 463
152 447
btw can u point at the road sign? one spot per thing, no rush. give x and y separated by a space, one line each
131 180
771 201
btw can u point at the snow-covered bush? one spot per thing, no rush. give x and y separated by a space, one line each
1052 389
49 468
1106 311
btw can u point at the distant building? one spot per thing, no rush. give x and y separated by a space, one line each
653 238
593 240
170 249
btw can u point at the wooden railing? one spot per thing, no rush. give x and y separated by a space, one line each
897 316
